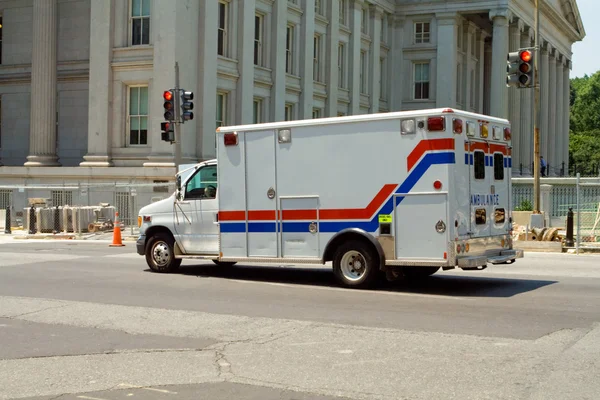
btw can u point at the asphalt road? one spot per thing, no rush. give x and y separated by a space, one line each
81 320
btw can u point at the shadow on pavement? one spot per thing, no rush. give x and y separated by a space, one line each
438 284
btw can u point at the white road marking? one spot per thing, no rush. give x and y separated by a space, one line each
160 390
90 398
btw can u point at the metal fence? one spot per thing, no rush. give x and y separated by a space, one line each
581 195
79 205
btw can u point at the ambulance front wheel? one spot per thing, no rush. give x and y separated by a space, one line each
355 264
160 254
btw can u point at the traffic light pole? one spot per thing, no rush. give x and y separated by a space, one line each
177 120
536 114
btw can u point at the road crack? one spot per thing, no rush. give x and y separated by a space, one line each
35 312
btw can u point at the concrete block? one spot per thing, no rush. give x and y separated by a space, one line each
551 247
536 221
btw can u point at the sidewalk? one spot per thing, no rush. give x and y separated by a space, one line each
20 234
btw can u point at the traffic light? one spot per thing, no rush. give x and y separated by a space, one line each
187 105
519 69
169 105
167 134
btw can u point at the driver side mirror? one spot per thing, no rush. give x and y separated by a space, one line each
178 192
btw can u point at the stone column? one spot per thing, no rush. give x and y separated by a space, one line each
560 134
566 115
544 97
278 34
307 45
374 63
43 125
206 105
397 54
445 88
514 99
487 78
481 54
551 106
354 56
331 59
525 124
101 82
245 83
470 85
499 98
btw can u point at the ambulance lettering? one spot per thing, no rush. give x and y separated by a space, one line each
485 200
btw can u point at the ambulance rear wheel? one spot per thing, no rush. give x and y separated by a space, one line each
355 264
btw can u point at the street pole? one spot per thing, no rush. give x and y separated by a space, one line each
536 113
177 120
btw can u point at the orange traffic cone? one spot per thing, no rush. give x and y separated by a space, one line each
117 242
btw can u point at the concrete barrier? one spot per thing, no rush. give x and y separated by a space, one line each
526 245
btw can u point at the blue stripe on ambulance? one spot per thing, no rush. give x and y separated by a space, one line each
336 226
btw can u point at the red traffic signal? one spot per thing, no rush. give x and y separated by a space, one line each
525 56
169 105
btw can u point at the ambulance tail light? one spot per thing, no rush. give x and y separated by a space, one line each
231 139
436 124
457 125
507 134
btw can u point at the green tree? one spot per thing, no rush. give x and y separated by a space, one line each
584 142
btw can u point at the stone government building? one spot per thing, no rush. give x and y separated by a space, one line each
81 81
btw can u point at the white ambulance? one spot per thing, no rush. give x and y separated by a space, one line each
399 194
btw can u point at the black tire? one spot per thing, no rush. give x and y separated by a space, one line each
160 254
419 272
356 251
224 264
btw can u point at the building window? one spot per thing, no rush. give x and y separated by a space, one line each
459 84
61 198
365 21
422 33
341 63
318 7
289 49
316 58
257 111
289 112
342 4
221 109
223 26
421 80
382 79
138 115
472 97
5 195
363 71
258 39
0 39
316 113
140 22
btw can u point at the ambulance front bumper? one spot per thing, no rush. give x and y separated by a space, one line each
482 260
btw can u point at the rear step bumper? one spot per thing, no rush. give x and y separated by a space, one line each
478 261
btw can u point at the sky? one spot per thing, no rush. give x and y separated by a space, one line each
586 57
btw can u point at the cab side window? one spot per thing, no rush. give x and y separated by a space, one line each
203 184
